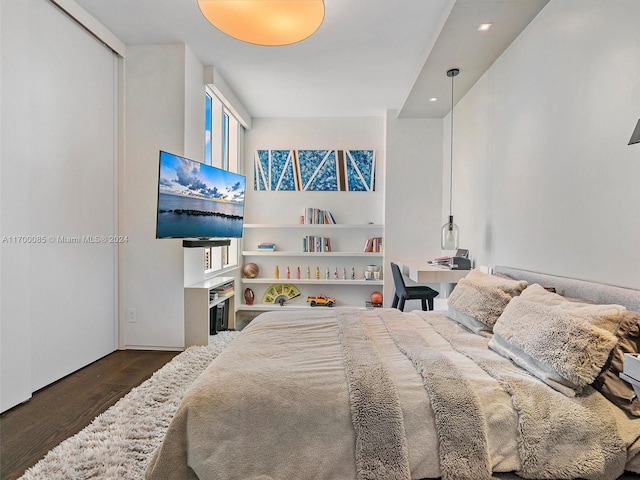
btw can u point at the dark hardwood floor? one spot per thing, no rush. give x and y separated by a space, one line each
60 410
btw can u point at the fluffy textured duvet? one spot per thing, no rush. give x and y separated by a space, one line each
381 394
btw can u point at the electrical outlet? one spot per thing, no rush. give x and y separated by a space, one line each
131 314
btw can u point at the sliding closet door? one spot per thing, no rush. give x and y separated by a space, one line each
61 176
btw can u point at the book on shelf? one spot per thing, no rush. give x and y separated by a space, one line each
225 289
317 216
312 243
267 246
374 245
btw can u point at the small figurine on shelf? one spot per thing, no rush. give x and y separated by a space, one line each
326 274
248 296
321 301
308 273
375 300
353 273
288 273
344 273
277 272
317 273
335 274
298 274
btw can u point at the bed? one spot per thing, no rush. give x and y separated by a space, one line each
500 384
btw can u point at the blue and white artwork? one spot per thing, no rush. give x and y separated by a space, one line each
315 170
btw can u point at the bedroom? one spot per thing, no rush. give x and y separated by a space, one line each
544 180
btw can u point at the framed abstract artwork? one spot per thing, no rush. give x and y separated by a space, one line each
315 170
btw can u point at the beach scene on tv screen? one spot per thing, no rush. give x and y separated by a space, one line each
198 201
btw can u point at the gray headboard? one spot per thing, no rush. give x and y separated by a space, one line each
570 287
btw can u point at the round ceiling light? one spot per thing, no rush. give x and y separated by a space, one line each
265 22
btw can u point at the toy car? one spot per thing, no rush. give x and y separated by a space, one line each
321 301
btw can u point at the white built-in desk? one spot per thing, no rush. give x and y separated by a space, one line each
435 274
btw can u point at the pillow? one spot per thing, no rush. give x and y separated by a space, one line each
608 382
479 298
564 343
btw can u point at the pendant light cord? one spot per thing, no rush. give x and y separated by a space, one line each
451 154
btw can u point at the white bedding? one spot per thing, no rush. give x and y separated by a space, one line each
289 399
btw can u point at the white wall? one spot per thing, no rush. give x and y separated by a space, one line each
413 194
544 177
315 133
164 111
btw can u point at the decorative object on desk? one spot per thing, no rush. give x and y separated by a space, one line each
314 170
250 270
270 23
635 136
450 234
443 261
376 298
280 293
460 263
248 296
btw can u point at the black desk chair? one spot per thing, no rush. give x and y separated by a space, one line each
410 292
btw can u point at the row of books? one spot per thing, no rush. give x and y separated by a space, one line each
373 244
312 243
318 216
223 290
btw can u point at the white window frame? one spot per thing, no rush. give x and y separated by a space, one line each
224 153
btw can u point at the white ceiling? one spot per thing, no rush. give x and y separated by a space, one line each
368 56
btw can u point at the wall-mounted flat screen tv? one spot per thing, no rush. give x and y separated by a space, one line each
198 201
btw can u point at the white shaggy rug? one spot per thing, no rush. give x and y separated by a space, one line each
119 443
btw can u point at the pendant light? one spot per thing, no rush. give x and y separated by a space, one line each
265 22
635 136
450 233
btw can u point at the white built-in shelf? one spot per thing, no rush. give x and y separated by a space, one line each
198 305
348 240
274 306
313 281
279 253
220 299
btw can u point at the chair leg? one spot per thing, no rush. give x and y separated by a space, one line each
430 303
395 301
424 304
401 305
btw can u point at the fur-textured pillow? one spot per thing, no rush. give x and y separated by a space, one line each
478 300
608 381
562 342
